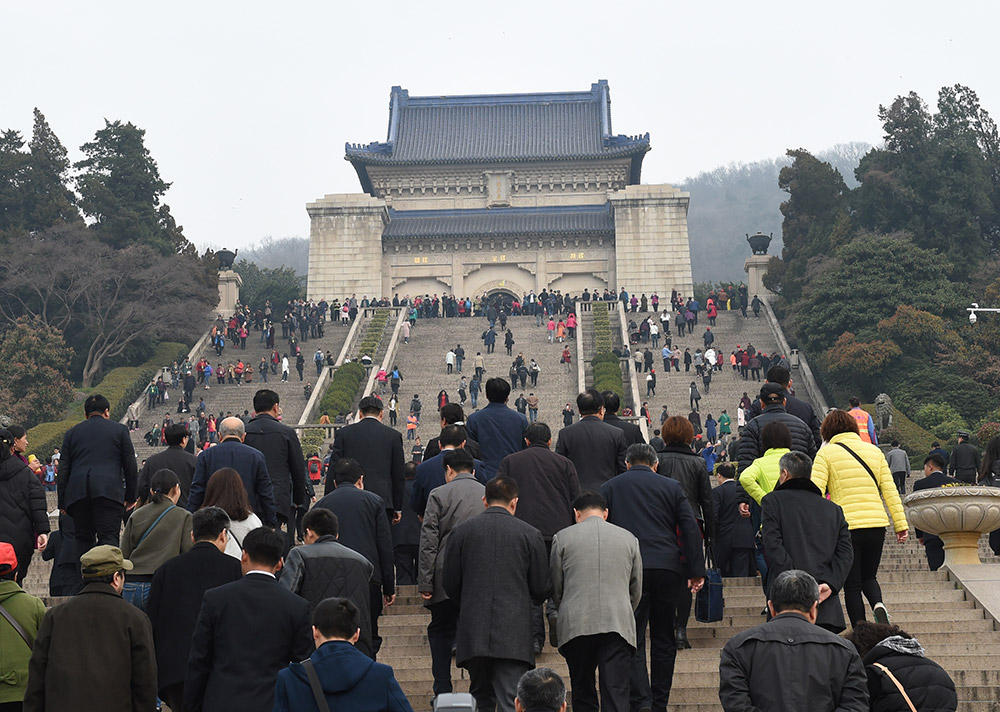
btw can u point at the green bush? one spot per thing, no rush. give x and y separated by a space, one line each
941 419
339 397
605 367
121 386
311 440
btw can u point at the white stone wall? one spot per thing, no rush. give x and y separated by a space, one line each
652 253
345 246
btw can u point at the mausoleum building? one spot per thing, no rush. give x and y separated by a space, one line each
499 193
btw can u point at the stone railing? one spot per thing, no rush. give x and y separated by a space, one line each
390 350
628 372
353 336
803 374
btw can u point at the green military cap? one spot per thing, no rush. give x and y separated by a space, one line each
103 560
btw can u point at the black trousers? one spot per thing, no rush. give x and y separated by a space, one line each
375 603
405 557
660 591
96 521
934 548
862 576
441 633
609 653
493 682
900 479
732 561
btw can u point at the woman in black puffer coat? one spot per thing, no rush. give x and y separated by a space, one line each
928 686
24 519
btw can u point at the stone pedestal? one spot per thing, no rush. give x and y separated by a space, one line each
652 253
755 267
345 246
959 515
229 291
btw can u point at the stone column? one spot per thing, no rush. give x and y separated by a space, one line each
652 253
755 267
229 291
345 246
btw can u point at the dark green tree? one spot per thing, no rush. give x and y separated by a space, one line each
48 196
14 170
815 218
36 362
121 190
279 284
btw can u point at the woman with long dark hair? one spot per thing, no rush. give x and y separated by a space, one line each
225 489
24 518
989 475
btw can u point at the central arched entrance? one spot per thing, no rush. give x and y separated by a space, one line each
502 297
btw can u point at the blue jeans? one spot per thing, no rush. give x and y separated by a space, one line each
137 593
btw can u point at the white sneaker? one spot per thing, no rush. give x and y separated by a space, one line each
880 613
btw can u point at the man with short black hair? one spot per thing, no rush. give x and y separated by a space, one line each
364 527
548 484
866 424
451 414
596 584
175 597
286 467
596 448
498 429
175 458
348 679
378 449
236 653
431 472
325 568
633 433
790 664
494 622
899 466
248 461
456 501
540 690
963 464
97 476
734 532
772 399
112 670
793 406
934 477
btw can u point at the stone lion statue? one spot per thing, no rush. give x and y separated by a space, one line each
883 412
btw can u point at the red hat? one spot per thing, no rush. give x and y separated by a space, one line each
8 559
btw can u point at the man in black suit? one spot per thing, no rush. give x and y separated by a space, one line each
97 476
596 448
451 414
364 527
633 433
247 631
733 543
175 598
548 484
174 458
231 452
495 569
283 453
802 529
656 510
793 406
934 476
379 450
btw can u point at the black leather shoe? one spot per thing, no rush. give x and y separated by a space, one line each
553 637
681 637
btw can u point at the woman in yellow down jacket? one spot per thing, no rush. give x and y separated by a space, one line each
857 476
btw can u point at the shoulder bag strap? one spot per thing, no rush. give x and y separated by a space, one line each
153 525
317 689
899 686
863 463
17 626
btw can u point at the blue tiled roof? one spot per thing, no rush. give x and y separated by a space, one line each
498 128
593 220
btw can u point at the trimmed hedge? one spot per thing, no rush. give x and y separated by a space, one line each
339 397
312 440
121 386
605 367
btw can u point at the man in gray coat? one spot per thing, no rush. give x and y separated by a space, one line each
790 664
597 585
495 569
459 499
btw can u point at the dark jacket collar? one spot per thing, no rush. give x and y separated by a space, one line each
800 483
97 587
543 446
679 449
774 408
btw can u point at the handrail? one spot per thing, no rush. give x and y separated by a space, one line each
808 379
390 350
633 377
320 388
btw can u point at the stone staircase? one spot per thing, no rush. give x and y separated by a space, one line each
229 397
727 388
422 362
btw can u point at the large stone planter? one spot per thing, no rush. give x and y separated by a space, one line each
959 515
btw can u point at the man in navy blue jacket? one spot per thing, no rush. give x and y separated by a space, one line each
350 679
430 472
498 429
248 461
654 508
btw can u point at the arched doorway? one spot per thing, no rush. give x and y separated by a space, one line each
502 297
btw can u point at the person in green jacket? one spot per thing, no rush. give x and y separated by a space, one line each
15 651
725 424
761 476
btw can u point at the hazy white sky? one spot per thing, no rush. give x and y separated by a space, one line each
247 105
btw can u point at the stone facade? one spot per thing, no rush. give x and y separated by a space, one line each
512 193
